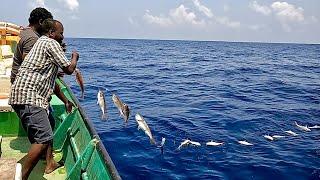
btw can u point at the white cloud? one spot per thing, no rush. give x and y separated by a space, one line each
226 21
70 4
40 3
288 12
182 15
226 8
162 21
203 8
265 10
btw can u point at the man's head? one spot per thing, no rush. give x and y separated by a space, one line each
37 16
53 29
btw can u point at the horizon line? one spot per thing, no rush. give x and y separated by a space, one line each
262 42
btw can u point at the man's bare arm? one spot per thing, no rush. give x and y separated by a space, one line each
57 91
74 59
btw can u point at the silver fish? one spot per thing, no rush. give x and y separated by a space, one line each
291 133
102 103
245 143
277 137
80 81
184 143
268 137
212 143
195 143
122 107
315 127
188 142
144 126
304 128
163 141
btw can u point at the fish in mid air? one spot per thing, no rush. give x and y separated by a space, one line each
304 128
268 137
102 103
277 137
184 143
291 133
144 126
163 141
188 142
245 143
80 81
212 143
122 107
314 127
195 143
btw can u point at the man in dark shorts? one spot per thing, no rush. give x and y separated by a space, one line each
32 88
28 37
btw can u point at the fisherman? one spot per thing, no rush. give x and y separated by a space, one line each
28 37
32 88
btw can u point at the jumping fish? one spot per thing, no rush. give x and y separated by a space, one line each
304 128
291 133
163 141
184 143
315 127
144 126
277 137
102 103
212 143
195 143
268 137
122 107
245 143
80 81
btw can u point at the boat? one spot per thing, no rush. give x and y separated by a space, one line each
75 141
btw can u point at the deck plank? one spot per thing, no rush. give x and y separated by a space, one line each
7 168
17 148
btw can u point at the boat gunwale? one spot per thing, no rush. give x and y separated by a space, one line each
108 161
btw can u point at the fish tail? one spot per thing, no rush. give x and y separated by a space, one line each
152 141
104 116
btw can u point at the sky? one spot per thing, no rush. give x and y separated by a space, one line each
293 21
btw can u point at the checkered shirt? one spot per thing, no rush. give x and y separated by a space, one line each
36 77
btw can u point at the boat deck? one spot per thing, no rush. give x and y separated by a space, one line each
17 147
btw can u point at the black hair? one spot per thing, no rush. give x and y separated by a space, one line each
49 25
39 14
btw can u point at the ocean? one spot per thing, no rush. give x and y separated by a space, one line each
221 91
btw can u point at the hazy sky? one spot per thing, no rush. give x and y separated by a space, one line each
228 20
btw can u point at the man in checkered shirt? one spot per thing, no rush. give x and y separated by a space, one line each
33 87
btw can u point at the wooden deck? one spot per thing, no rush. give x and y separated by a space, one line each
17 147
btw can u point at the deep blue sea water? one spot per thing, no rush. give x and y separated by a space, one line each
205 91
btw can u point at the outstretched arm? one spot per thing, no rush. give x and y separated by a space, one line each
68 104
74 59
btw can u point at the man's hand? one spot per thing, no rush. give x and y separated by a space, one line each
75 55
69 106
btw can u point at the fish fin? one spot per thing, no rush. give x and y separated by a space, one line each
138 128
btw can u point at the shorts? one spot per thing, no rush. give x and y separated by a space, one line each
36 123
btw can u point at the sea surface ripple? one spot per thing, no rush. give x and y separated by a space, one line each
205 91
